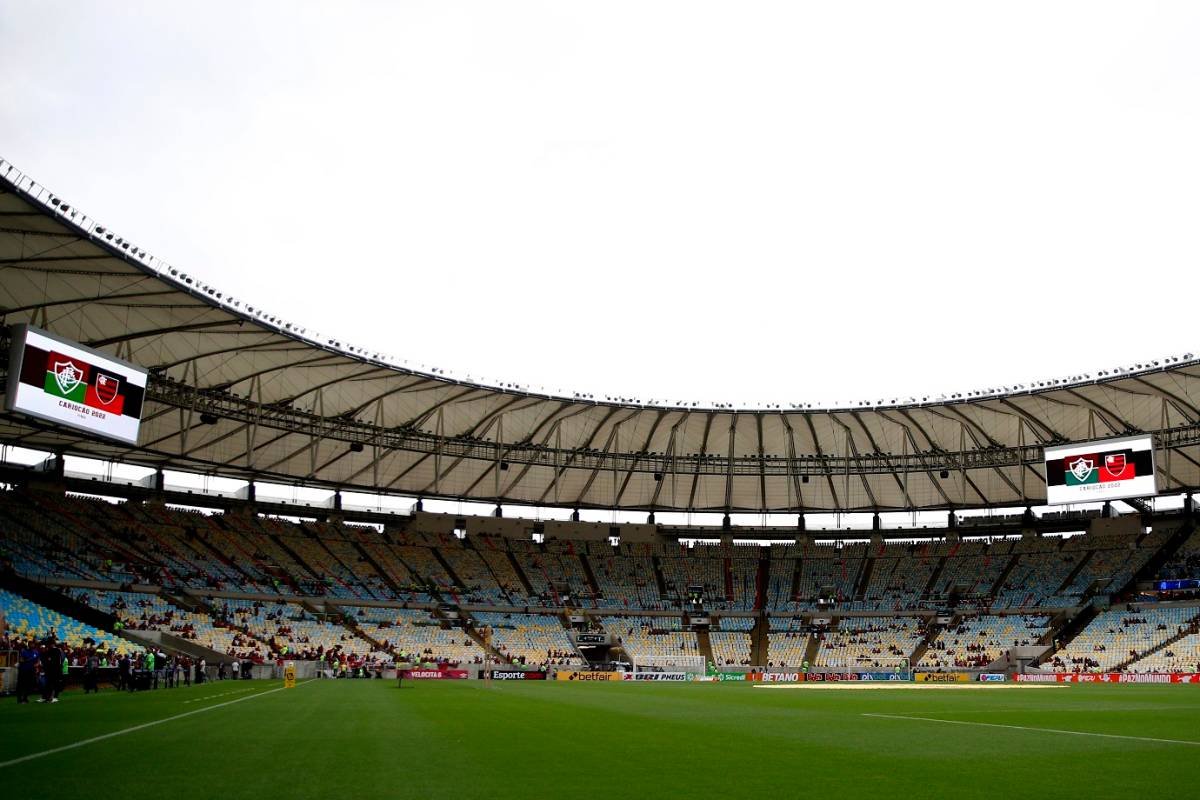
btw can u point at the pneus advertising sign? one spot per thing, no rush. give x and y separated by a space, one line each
57 380
1097 471
655 676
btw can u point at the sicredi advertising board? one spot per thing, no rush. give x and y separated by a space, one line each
60 381
1091 472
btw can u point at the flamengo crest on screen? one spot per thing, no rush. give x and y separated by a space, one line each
1098 471
61 381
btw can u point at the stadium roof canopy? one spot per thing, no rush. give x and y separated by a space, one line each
240 393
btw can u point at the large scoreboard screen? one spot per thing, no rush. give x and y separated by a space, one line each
60 381
1098 471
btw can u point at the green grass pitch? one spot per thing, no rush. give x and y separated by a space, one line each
429 740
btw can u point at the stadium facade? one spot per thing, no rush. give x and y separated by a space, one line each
235 392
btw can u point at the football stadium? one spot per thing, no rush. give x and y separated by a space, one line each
243 558
1043 620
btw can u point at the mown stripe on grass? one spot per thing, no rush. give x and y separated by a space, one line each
215 696
135 728
1036 730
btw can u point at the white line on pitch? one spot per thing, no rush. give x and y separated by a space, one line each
135 728
1036 730
215 696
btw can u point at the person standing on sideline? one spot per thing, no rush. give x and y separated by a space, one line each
63 675
150 672
91 672
124 671
27 667
237 669
52 661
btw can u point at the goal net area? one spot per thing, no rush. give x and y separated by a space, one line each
693 664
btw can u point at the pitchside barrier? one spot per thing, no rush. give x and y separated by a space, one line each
514 675
1111 677
943 677
825 677
582 675
434 674
674 677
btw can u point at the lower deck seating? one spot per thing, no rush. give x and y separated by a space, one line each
537 639
1117 636
870 642
786 649
730 648
25 619
414 636
975 642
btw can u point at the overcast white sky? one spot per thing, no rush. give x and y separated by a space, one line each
742 202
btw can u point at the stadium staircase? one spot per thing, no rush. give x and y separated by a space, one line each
349 622
349 569
760 584
588 574
446 566
727 573
759 641
1018 655
294 556
1008 568
201 606
705 645
206 547
931 633
1192 626
864 579
1054 629
563 619
174 644
375 565
1074 573
520 573
658 577
1072 627
811 650
937 573
795 590
477 637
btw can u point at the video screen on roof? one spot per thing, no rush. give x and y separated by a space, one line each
1098 471
59 381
